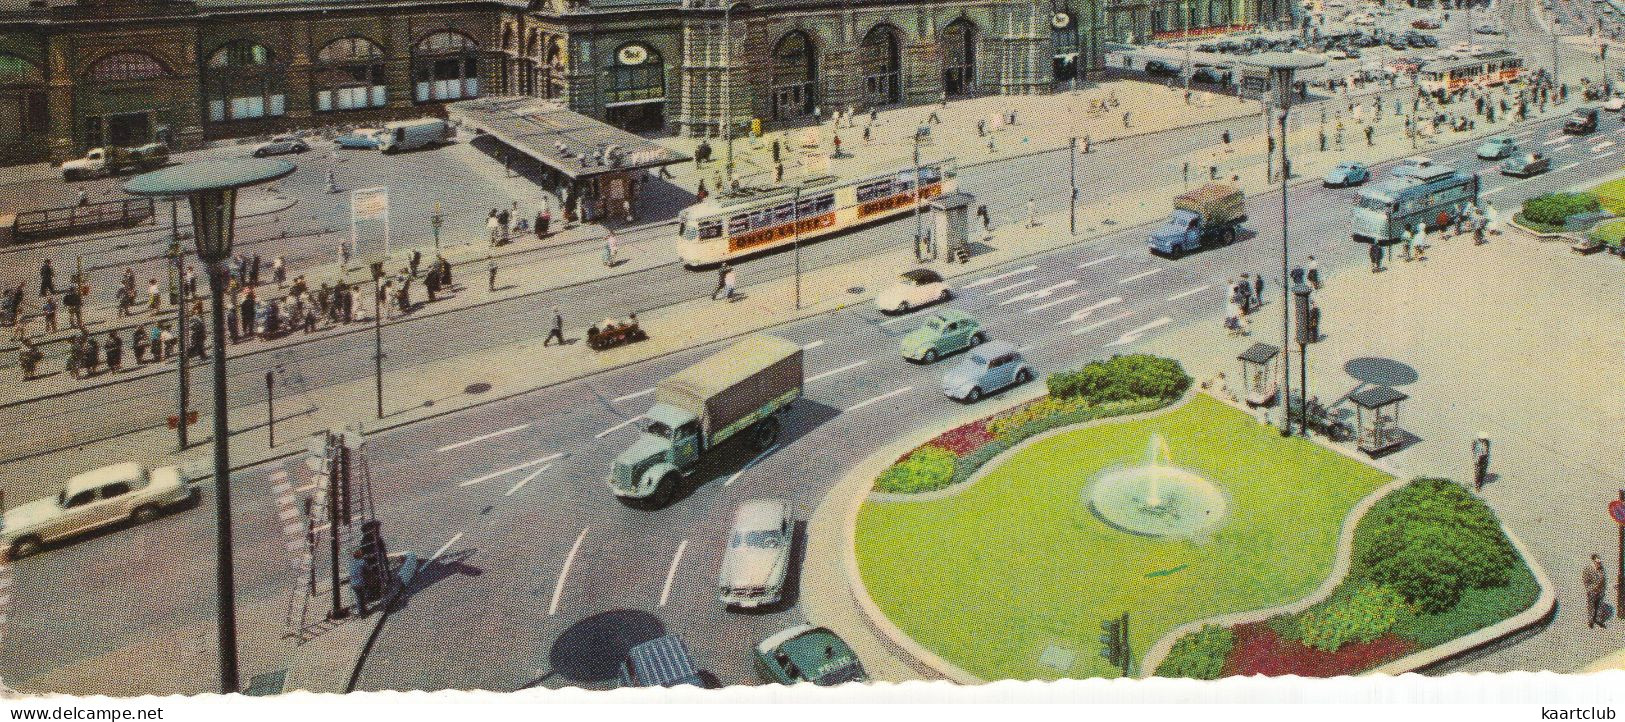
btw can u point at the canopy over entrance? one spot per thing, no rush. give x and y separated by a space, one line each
568 142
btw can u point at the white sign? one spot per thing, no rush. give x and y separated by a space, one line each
369 203
633 55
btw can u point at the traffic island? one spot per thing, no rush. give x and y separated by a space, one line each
1011 573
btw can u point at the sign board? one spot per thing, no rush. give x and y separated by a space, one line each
369 203
1616 509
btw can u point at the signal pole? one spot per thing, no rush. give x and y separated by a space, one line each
1072 209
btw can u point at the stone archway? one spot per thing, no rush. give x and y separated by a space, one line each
880 61
959 58
794 76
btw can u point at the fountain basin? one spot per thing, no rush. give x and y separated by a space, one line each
1159 501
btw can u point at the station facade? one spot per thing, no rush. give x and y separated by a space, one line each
75 74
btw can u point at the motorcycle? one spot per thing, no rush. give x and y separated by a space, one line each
1320 419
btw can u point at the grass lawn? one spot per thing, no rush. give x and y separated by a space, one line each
1612 195
1611 232
1017 565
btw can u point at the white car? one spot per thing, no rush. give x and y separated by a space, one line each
914 289
91 500
758 555
1363 19
1615 103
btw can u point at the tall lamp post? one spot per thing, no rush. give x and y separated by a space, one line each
727 92
1281 67
210 188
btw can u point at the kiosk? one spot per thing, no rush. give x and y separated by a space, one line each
1376 419
950 222
1258 366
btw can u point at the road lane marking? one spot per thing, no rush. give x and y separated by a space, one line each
1494 191
1097 261
1570 166
1084 313
633 395
1013 286
287 513
316 481
1605 155
282 488
618 427
899 319
811 346
1134 335
293 528
1044 292
1141 275
879 398
1558 146
671 573
1000 277
478 439
444 547
526 480
1191 292
1098 324
558 589
510 470
749 464
1055 303
832 372
1600 147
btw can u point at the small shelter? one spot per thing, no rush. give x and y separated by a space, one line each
1376 415
1258 378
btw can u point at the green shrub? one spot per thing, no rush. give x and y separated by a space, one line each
1003 426
1199 656
1553 208
1431 540
928 468
1121 378
1366 615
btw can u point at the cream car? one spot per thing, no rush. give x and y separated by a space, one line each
914 289
92 500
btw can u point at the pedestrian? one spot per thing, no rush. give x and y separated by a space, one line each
544 218
279 270
138 342
981 127
166 342
76 355
1376 256
728 283
417 258
232 328
874 114
358 581
775 150
1225 137
1258 290
254 271
84 198
445 272
1125 118
557 332
1481 460
1314 321
1595 581
493 226
866 132
1370 131
1407 241
722 279
611 249
491 281
196 336
47 278
502 223
90 356
74 304
981 212
189 281
1032 212
310 319
778 172
48 309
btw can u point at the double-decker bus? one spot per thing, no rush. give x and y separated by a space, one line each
1493 67
730 225
1434 196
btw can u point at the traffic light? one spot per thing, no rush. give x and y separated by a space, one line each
1114 643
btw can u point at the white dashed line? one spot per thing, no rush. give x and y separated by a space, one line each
1084 313
1134 335
618 427
287 513
1054 303
1098 324
1012 287
558 589
813 345
1191 292
671 573
1044 292
1000 277
749 464
880 398
832 372
1605 155
1570 166
1141 275
633 395
1097 261
444 547
526 480
1600 147
478 439
510 470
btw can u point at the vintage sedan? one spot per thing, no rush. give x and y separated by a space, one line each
1346 174
914 289
989 368
758 555
360 139
1497 148
1523 166
946 332
805 653
281 145
92 500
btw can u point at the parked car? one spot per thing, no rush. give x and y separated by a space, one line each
660 662
805 653
1614 103
1523 166
93 500
1425 24
991 367
281 145
1487 29
1581 122
1337 54
914 289
1346 174
758 555
360 139
946 332
1497 148
1157 67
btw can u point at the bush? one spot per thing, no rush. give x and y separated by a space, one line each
1121 378
928 468
964 439
1199 656
1003 426
1431 540
1553 208
1363 617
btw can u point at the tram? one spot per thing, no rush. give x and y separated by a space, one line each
1478 70
730 225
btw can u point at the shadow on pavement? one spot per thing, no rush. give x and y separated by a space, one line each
592 649
1374 370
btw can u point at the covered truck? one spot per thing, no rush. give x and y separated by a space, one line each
737 392
1206 216
112 160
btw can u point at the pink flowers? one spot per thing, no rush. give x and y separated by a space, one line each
962 440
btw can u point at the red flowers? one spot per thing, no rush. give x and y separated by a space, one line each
1260 650
962 440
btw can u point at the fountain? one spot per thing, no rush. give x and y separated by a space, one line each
1158 499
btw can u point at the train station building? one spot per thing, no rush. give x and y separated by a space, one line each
75 74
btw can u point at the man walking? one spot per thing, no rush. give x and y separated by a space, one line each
358 582
1595 581
1376 257
491 277
1481 460
722 280
558 329
728 280
47 278
1032 212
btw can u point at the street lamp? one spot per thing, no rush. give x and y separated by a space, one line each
727 89
1281 67
210 188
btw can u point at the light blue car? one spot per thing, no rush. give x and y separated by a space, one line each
1497 148
1346 174
987 368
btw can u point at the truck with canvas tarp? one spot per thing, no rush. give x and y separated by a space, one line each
1206 216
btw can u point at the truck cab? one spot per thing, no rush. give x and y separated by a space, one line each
1205 216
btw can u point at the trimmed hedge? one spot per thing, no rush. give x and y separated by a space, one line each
1199 656
929 467
1121 378
1363 617
1432 540
1553 208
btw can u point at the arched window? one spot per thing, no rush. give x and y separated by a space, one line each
242 81
553 70
127 65
1064 37
880 59
959 58
794 76
446 66
350 75
23 116
638 73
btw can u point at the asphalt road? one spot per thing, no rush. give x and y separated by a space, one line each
544 579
